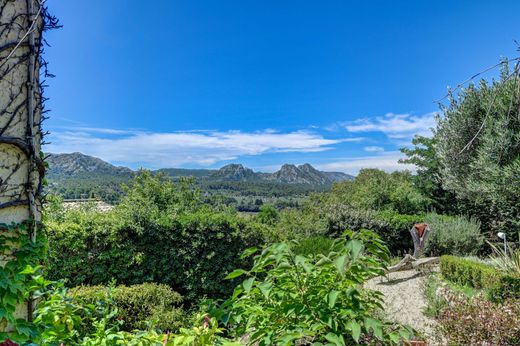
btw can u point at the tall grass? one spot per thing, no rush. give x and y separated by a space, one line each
507 259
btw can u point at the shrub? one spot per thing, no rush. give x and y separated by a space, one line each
292 299
453 235
138 306
393 228
497 284
477 321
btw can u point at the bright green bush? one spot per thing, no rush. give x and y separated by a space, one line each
497 284
138 306
453 235
291 299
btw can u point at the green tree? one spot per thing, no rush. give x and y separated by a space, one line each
268 214
377 190
478 147
428 177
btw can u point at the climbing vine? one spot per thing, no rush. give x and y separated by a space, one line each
20 278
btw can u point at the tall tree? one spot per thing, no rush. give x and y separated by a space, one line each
478 147
21 166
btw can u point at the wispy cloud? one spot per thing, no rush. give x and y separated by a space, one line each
387 161
171 149
397 126
373 149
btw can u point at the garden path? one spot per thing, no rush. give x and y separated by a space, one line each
404 300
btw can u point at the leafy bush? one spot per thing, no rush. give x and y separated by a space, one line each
477 321
138 306
499 285
319 299
62 320
453 235
159 233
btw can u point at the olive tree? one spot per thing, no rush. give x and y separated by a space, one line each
478 146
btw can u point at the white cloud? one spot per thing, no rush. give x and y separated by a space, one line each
386 161
172 149
396 126
373 149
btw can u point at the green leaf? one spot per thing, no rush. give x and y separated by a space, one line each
235 273
248 252
355 328
265 287
376 327
333 296
355 247
394 337
323 261
248 284
304 263
335 339
340 262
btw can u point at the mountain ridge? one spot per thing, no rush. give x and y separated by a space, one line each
78 164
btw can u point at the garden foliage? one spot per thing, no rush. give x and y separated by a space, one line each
139 307
287 298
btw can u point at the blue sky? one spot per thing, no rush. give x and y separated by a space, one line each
339 84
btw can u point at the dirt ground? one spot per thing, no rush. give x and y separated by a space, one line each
404 300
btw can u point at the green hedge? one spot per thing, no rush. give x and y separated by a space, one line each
138 306
497 284
190 252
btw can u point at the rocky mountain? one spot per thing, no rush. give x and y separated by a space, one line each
307 174
68 166
75 164
234 172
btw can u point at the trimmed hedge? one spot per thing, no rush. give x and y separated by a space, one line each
497 284
138 306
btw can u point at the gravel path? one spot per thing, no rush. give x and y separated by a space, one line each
404 300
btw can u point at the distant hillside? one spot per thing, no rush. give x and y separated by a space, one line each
77 175
75 164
